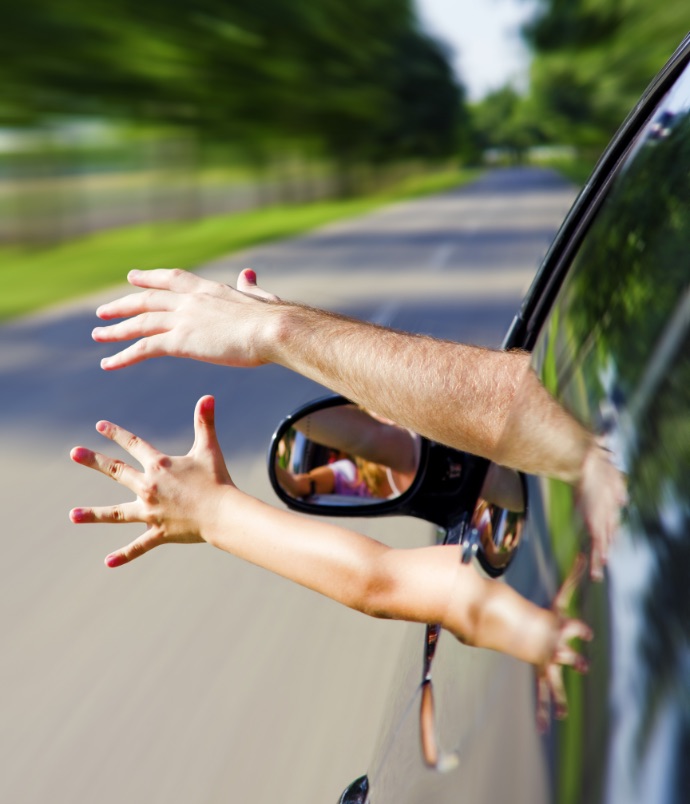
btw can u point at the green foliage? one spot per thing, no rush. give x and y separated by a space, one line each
594 58
355 75
506 120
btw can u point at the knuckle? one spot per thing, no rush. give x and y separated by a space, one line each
115 469
149 493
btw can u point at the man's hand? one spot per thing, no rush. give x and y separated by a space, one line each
182 315
550 685
177 497
601 494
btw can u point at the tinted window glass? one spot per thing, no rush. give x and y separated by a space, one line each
616 352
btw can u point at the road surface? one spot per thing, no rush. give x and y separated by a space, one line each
189 676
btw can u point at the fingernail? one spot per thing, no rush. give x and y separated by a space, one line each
101 427
79 454
250 276
114 560
77 515
134 273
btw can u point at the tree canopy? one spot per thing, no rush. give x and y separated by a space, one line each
356 76
594 58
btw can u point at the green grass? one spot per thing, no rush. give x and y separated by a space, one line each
36 278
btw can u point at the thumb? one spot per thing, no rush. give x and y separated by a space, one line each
205 437
246 283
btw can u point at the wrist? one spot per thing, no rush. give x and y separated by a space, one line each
218 509
273 335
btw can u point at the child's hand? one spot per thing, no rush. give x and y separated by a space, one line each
550 687
176 496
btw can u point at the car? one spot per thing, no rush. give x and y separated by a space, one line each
607 321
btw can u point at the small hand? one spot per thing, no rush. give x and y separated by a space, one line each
601 495
550 685
176 496
183 315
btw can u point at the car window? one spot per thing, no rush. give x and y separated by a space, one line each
615 351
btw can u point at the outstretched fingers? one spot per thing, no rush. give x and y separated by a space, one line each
143 544
136 326
120 471
133 304
139 449
111 514
143 349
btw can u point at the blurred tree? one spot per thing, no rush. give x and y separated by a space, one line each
354 75
506 121
593 59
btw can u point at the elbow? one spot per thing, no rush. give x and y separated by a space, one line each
376 590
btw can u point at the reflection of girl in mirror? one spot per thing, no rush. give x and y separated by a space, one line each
386 454
339 477
344 476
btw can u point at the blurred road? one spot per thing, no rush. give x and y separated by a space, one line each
188 676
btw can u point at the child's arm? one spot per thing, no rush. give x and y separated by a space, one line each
192 498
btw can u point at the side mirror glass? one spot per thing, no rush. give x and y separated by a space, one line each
498 520
333 454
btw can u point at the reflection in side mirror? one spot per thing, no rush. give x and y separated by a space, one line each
498 520
343 455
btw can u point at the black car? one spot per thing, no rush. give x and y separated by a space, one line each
607 321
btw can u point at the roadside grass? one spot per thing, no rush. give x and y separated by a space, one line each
35 278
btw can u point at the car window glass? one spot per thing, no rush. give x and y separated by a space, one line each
616 352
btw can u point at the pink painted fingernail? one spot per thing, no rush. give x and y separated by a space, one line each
77 515
114 560
101 426
250 276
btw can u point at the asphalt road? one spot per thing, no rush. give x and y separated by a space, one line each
189 676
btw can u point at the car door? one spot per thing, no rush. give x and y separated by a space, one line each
607 318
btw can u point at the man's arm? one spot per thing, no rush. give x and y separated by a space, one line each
486 402
459 395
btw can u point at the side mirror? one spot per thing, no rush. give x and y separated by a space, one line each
332 458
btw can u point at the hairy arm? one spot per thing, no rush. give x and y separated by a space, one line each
460 395
486 402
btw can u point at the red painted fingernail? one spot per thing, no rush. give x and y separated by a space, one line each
79 454
77 515
114 560
101 426
250 276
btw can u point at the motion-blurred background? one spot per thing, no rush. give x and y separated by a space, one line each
136 122
182 133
